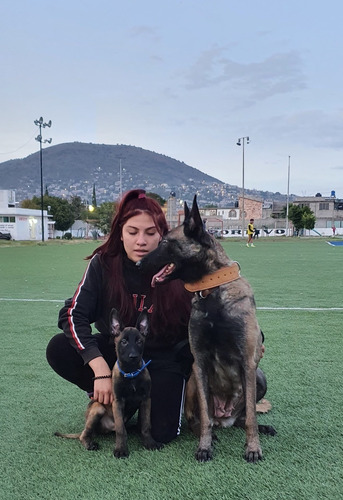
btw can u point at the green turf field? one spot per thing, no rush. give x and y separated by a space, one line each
298 291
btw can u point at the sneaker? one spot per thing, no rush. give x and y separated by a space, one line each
252 245
248 245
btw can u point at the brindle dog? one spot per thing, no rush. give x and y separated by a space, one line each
224 334
131 390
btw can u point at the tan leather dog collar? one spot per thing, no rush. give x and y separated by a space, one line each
213 280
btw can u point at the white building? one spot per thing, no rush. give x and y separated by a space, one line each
22 223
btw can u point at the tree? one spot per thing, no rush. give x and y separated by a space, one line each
31 204
63 215
161 201
295 215
309 220
77 206
105 213
94 197
301 217
60 209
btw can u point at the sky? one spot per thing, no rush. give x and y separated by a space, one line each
184 78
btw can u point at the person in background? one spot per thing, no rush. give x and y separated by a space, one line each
250 233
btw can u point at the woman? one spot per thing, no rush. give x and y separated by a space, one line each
112 279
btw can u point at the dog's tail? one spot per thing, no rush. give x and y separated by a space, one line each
68 436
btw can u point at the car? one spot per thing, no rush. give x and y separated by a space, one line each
5 236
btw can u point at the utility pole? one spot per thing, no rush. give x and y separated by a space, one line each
40 123
241 142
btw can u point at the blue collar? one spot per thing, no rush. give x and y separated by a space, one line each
137 372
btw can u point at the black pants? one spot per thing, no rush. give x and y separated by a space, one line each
168 373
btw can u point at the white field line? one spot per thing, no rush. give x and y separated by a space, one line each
300 308
7 299
276 308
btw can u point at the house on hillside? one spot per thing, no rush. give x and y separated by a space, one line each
22 223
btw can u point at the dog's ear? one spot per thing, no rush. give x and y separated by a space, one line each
142 324
193 225
186 210
115 325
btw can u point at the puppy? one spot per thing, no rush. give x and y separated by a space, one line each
131 392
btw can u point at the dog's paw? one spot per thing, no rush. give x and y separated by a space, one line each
252 456
267 429
153 445
203 454
121 452
92 446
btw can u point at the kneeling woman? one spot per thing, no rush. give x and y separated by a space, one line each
113 280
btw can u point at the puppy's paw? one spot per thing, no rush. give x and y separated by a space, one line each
204 454
121 452
92 446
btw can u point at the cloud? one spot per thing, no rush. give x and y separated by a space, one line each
276 74
144 31
316 128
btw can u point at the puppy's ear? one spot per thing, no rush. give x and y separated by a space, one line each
115 325
142 324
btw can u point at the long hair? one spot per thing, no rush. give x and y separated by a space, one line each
171 303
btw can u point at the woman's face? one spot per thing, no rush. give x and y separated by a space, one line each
139 236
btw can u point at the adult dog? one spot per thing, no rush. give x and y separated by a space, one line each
131 392
224 335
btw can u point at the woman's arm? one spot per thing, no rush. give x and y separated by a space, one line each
83 309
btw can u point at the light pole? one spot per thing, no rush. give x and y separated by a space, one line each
241 142
40 123
120 176
287 205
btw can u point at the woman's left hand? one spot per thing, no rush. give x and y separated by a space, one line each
103 391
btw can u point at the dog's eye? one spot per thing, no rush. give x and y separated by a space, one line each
123 342
139 342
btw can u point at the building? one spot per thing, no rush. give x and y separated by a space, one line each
252 208
328 211
22 223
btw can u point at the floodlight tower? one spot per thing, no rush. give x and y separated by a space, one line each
241 142
40 123
287 204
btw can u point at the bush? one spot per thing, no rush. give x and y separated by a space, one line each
67 236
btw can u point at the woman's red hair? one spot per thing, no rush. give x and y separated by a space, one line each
172 302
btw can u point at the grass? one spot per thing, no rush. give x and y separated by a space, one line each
302 364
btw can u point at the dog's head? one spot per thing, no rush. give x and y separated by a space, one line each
129 341
181 253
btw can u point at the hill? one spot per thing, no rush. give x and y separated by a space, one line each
71 169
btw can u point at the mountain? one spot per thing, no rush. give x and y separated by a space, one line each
71 169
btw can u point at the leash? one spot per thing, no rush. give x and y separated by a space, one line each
137 372
209 282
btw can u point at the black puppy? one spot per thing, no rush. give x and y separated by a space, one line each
131 392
